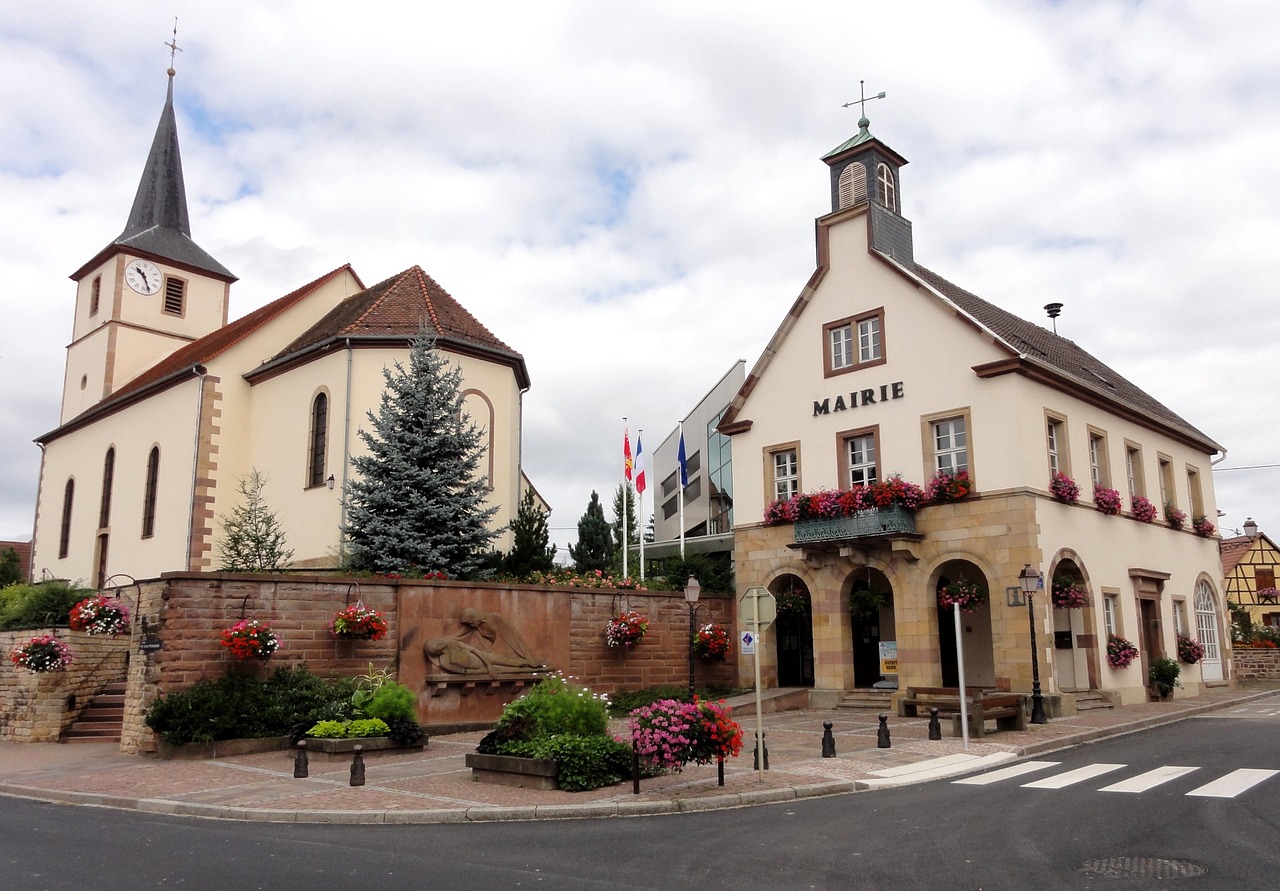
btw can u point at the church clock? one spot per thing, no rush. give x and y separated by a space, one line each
143 276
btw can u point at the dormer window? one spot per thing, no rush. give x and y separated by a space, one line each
852 185
885 188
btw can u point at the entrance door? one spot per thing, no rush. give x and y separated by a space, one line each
795 650
1064 654
1149 612
866 651
947 647
1207 631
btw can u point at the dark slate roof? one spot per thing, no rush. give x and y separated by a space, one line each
187 360
158 222
1042 346
400 308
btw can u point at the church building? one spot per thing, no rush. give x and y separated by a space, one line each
1046 460
167 405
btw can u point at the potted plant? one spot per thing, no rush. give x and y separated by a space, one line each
250 639
359 622
1064 488
1174 517
42 653
1120 652
866 604
711 642
1201 525
626 630
969 595
1067 593
1143 510
945 487
1106 500
1190 650
100 615
1164 676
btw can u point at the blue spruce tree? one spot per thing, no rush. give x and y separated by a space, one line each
418 502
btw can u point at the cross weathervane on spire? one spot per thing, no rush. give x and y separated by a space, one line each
174 49
862 89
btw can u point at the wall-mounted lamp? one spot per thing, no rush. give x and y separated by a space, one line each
329 481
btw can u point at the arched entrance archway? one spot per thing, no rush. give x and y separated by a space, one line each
1207 631
793 637
870 623
1075 664
979 656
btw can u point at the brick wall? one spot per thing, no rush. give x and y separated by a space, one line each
39 706
1260 663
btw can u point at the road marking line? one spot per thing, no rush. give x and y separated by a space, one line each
1233 784
1071 777
1149 780
1007 773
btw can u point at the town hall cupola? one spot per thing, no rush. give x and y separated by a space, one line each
866 171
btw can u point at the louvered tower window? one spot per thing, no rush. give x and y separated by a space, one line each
175 290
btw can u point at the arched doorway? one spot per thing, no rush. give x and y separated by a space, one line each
1207 632
870 623
1069 596
975 624
793 635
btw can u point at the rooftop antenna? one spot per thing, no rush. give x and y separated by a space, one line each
863 122
1054 310
174 49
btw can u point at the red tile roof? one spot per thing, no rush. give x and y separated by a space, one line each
1233 550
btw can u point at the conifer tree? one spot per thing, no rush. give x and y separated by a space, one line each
594 549
530 540
418 502
633 533
10 570
252 538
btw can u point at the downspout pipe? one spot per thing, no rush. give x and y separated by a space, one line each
201 373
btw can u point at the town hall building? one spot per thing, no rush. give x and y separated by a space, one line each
882 367
167 405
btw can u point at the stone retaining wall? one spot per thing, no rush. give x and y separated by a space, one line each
40 706
1259 663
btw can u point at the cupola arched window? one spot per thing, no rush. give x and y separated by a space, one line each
885 186
852 185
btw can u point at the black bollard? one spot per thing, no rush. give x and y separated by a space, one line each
635 771
828 741
357 766
755 755
720 770
882 735
935 729
300 761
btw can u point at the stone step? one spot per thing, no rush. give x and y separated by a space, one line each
868 700
102 718
1091 700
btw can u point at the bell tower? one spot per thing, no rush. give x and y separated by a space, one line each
147 293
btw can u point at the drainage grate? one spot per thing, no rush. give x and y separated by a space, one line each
1142 868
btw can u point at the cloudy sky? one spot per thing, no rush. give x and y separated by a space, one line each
625 193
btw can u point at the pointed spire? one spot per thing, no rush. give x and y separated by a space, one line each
161 200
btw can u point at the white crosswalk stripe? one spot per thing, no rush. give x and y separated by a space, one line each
1230 785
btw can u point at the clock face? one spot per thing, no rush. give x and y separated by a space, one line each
143 276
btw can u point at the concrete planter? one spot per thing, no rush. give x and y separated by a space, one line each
222 748
511 770
344 749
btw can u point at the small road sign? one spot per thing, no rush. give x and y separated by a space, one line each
748 643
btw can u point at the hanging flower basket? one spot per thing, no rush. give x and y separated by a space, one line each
946 487
100 615
865 604
1120 652
1202 526
43 653
1190 650
1064 488
250 639
1106 500
791 603
1174 517
1069 594
1143 510
627 630
711 642
359 622
968 594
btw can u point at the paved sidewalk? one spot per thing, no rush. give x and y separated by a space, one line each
434 786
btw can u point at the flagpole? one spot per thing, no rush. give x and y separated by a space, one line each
640 500
626 490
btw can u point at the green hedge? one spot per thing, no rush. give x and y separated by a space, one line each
38 605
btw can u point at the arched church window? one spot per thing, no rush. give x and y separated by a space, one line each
108 473
68 498
885 186
149 493
319 437
852 185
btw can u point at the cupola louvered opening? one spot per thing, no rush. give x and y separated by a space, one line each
884 178
174 291
853 185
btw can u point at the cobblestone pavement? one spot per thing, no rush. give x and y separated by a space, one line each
435 786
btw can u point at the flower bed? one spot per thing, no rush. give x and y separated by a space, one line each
838 503
669 734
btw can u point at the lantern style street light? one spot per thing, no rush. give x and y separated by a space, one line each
691 591
1029 579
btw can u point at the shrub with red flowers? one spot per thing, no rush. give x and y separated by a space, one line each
1190 650
1106 499
711 641
591 579
1120 652
1174 517
359 622
250 639
100 615
626 630
1142 509
436 575
1064 488
970 595
1203 528
40 654
945 487
669 734
1067 593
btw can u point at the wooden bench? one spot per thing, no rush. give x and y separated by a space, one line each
1006 709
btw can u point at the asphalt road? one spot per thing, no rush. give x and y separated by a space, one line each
1202 817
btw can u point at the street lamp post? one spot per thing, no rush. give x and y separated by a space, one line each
691 591
1029 580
